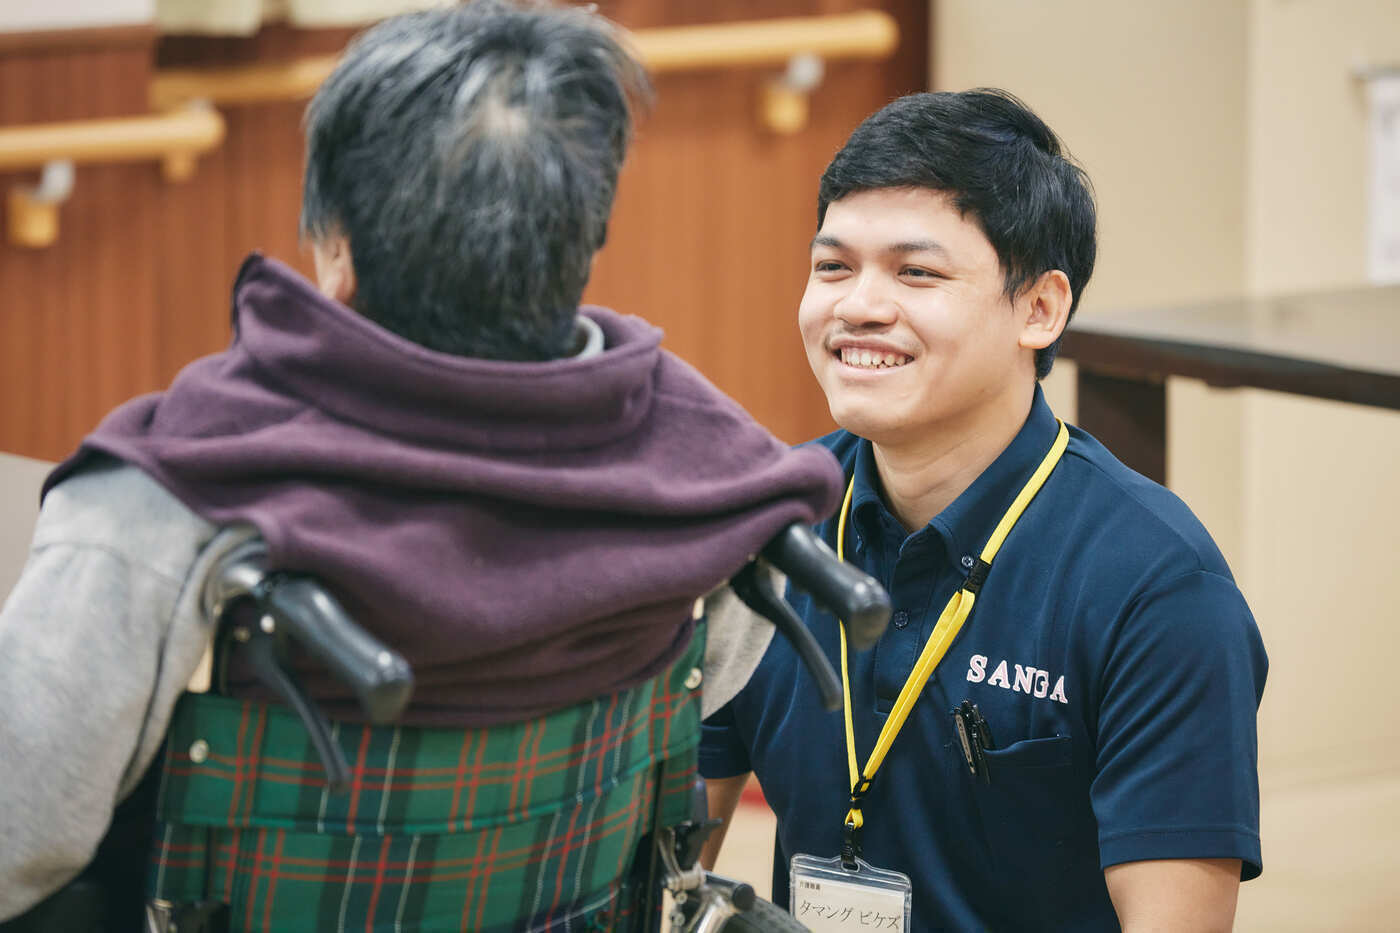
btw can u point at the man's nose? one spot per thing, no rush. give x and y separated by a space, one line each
867 302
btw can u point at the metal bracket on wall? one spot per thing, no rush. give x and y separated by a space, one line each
174 139
785 103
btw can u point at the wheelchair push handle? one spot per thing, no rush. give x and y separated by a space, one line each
379 676
854 596
298 607
847 592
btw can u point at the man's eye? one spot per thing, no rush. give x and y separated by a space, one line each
828 265
917 273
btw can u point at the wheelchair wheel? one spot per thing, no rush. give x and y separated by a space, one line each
763 917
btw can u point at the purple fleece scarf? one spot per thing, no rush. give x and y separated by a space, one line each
528 535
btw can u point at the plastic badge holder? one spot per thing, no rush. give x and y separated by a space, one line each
827 898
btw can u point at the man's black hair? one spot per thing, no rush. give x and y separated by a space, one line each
1001 165
471 154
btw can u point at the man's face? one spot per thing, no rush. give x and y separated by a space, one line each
905 320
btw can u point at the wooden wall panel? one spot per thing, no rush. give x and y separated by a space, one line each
78 320
245 197
709 239
714 212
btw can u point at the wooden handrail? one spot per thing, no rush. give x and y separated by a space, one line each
174 138
866 34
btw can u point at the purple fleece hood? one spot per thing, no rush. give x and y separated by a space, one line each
528 535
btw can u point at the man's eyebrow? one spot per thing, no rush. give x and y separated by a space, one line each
917 246
900 248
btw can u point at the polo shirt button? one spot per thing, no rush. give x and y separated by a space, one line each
900 618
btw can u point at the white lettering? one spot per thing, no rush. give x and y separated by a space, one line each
977 668
1029 680
1042 683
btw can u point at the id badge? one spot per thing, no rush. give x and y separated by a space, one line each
827 898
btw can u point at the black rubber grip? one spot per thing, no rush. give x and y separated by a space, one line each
379 676
849 593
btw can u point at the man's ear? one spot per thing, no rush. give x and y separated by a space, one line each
335 270
1046 305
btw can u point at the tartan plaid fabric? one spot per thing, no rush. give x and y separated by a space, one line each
527 826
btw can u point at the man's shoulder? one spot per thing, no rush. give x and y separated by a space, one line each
119 507
1114 499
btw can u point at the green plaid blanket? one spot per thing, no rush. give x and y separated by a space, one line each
528 826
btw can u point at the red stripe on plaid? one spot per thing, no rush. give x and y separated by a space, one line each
272 877
254 762
461 776
402 779
378 885
409 786
356 780
397 872
525 736
474 874
533 773
491 859
473 784
562 857
238 763
234 846
253 884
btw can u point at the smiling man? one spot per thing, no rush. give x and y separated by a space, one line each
1057 731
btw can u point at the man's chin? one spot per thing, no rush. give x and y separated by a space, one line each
875 425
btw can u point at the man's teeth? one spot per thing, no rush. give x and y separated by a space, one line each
872 359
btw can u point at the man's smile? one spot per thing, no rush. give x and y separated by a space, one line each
871 359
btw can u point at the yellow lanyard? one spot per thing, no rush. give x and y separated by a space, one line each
950 622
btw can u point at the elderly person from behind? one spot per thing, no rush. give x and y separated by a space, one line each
521 495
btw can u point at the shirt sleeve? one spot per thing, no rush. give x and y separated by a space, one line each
1177 749
723 753
75 701
97 639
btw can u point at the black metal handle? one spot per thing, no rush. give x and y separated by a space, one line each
849 593
753 587
378 675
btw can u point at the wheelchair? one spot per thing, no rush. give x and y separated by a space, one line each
591 818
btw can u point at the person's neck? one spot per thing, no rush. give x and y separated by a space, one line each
923 475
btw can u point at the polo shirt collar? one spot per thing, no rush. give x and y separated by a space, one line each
966 524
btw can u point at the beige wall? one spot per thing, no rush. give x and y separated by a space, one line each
1320 497
1150 98
1226 143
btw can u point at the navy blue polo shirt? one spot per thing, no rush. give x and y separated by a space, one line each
1111 653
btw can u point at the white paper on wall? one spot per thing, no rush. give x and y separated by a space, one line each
1383 194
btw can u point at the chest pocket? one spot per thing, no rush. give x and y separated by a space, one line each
1038 829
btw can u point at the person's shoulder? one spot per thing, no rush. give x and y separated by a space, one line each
119 507
1118 500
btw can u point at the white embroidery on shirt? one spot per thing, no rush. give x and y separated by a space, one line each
1032 681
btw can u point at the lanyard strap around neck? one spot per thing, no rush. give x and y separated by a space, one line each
950 622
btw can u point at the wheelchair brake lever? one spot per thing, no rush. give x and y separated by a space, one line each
756 590
265 648
289 606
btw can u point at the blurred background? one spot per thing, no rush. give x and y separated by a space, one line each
1244 154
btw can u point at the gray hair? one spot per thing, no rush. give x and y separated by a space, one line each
470 154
